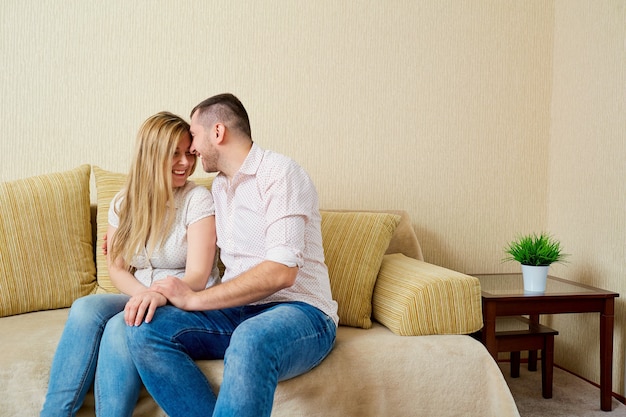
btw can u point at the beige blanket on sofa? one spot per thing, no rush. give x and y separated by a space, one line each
448 375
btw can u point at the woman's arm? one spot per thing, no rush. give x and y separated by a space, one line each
144 301
123 280
201 243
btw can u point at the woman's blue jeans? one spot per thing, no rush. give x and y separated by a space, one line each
93 347
260 344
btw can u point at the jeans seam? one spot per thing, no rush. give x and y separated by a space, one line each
323 331
93 357
174 338
329 323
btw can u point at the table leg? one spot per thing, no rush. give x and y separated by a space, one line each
532 354
606 355
489 329
532 360
515 359
547 366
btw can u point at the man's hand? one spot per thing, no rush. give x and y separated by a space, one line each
142 306
177 292
105 248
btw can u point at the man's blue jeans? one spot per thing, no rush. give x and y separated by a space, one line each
260 344
93 346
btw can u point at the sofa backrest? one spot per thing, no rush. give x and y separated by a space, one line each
404 239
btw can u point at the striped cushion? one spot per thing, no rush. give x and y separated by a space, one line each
46 251
354 245
107 185
415 298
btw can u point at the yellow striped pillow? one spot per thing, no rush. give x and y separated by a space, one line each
354 245
107 185
46 250
414 298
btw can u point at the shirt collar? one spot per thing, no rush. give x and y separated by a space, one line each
251 164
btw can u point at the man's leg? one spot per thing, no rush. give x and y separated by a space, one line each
164 351
74 363
286 340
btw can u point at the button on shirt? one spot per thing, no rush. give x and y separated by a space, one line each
270 211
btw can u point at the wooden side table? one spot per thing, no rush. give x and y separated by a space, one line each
503 295
517 333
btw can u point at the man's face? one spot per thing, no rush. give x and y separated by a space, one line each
202 144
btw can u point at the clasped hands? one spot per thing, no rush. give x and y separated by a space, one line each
141 307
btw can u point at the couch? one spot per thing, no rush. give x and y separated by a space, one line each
402 347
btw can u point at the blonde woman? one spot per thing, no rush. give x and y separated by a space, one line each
160 225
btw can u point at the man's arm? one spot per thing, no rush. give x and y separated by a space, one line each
259 282
200 256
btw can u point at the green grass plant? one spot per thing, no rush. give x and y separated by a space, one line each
536 250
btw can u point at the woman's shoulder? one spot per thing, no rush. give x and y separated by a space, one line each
193 188
196 201
192 193
116 201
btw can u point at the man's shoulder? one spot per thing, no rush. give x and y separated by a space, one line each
270 155
275 161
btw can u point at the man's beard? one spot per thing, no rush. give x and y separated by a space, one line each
210 164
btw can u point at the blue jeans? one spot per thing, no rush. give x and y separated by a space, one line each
93 347
260 344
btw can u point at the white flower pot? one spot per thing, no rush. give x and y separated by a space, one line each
535 278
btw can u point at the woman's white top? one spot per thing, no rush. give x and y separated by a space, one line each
193 203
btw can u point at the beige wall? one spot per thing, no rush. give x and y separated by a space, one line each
587 168
471 115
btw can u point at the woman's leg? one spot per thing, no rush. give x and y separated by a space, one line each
281 342
117 383
74 363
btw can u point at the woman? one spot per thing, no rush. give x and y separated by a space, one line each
160 225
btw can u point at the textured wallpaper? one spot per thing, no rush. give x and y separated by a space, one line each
587 198
432 107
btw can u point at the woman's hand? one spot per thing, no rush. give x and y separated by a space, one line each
141 307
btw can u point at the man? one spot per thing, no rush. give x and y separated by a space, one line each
272 317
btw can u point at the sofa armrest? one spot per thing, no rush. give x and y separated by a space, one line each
413 298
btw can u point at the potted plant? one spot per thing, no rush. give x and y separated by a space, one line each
536 253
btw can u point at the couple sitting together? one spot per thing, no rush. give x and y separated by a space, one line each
271 315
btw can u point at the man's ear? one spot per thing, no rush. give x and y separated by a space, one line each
219 132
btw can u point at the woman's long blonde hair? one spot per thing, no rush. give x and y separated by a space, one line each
147 209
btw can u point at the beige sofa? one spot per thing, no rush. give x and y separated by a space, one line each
402 348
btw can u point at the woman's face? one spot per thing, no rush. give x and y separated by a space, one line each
182 162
